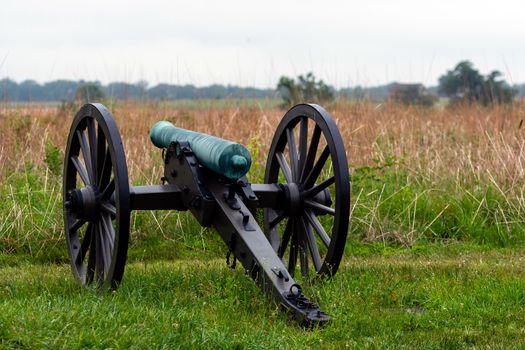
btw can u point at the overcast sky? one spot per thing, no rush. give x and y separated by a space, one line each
249 43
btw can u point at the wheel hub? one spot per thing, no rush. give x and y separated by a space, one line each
85 202
323 198
293 198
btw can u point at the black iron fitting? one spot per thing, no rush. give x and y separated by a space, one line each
244 190
246 221
281 273
306 312
196 201
230 199
170 152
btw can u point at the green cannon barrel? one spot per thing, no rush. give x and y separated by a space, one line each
228 158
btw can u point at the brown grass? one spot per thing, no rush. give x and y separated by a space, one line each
464 143
463 150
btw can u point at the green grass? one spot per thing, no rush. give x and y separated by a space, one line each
393 205
390 205
430 263
432 297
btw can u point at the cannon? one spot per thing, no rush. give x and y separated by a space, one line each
303 205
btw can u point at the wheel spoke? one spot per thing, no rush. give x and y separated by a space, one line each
312 219
87 154
284 167
292 257
110 230
92 138
303 145
318 167
81 170
90 272
318 188
108 208
292 152
101 154
104 244
286 238
303 249
105 172
78 223
312 245
276 220
303 258
108 191
312 152
99 259
85 246
318 206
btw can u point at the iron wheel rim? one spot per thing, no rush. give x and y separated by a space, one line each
302 231
95 164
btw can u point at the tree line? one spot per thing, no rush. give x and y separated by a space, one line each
462 83
68 90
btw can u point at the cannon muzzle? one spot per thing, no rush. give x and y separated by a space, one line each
227 158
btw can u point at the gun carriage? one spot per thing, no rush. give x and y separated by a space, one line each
305 198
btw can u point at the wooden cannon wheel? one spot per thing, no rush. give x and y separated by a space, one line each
307 158
96 199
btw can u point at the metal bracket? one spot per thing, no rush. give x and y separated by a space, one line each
246 221
281 273
244 190
230 199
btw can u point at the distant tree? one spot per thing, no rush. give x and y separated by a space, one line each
82 91
288 90
305 89
520 89
142 86
497 90
60 90
89 92
464 83
359 93
411 94
29 90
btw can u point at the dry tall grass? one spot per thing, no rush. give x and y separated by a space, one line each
465 146
464 142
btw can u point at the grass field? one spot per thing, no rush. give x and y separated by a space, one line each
442 297
434 256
